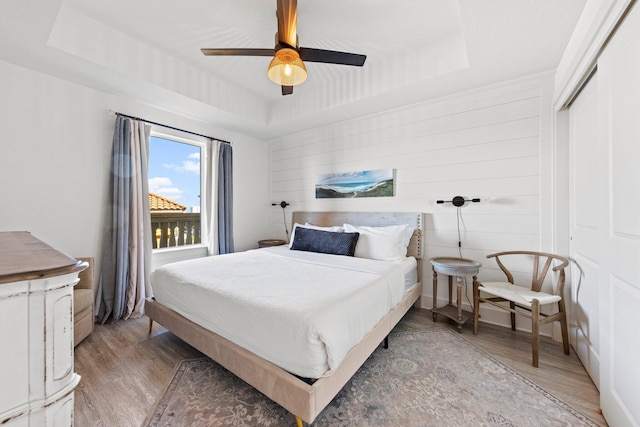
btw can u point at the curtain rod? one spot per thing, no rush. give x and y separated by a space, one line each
171 127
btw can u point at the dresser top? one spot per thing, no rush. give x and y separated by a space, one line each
24 257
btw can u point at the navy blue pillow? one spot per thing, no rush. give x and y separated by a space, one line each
325 242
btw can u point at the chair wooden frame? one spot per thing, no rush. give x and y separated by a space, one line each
540 270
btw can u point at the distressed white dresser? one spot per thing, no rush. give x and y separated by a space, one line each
36 332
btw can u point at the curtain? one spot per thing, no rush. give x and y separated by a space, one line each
209 195
218 198
225 199
126 258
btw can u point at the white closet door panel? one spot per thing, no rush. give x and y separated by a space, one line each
585 177
625 145
619 68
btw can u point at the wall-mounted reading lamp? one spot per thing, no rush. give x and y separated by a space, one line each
458 201
283 205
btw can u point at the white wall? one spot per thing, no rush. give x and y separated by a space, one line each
493 142
56 144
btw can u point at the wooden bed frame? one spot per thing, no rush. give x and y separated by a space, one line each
303 400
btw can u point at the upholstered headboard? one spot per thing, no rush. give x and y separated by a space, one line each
375 219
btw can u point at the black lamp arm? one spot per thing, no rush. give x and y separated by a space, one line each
282 204
458 201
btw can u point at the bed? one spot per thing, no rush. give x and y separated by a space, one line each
302 379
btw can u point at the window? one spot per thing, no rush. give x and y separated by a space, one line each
175 187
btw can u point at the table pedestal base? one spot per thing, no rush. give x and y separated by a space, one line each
458 267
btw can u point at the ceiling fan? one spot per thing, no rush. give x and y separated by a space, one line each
287 67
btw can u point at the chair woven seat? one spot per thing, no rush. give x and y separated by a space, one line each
518 294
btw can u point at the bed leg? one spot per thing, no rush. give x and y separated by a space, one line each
150 325
299 422
385 342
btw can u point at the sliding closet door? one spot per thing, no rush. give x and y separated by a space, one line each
584 222
619 278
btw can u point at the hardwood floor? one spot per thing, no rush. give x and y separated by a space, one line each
124 370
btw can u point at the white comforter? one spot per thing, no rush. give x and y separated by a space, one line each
302 311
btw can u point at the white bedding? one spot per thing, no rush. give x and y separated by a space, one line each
303 311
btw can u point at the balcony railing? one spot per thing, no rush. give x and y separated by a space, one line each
175 229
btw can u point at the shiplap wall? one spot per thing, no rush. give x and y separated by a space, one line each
487 143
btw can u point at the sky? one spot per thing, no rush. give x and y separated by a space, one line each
174 171
355 177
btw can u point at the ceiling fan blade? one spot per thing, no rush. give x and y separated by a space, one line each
238 52
287 90
287 14
331 57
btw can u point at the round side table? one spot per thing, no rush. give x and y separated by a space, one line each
458 268
270 242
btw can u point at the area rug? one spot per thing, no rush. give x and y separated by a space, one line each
426 378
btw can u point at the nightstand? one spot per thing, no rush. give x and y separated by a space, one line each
460 268
270 242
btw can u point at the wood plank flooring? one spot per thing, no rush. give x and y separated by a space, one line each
124 370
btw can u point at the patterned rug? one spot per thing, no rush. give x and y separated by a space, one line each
427 378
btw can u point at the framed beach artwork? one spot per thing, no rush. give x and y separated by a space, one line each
375 183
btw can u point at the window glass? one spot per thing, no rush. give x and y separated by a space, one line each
174 191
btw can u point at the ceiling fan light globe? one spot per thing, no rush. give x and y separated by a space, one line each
286 68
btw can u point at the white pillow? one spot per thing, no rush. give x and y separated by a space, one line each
335 229
382 243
